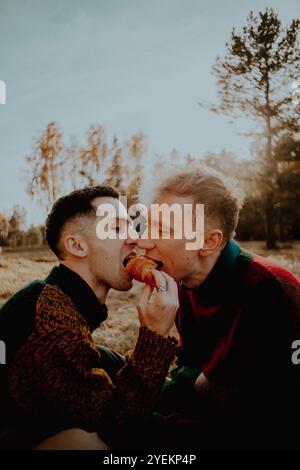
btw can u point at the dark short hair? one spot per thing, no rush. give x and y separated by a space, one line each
71 206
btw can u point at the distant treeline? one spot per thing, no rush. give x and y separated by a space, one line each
12 233
245 172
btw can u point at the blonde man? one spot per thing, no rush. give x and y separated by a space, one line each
238 319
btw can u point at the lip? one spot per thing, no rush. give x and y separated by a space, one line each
127 257
157 261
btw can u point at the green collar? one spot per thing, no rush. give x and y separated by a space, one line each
222 272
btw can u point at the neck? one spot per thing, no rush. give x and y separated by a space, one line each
100 289
207 265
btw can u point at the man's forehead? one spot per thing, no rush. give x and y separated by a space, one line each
169 209
116 208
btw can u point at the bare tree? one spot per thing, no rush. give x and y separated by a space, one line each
136 151
73 163
115 169
46 167
92 158
4 228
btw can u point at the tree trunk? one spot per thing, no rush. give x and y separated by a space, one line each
282 236
272 177
270 225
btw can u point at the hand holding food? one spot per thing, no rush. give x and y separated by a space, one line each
157 307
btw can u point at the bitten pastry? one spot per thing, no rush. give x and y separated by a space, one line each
138 267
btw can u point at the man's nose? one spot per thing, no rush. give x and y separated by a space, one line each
132 235
145 244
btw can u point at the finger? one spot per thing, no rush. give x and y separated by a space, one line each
145 296
159 278
168 280
172 285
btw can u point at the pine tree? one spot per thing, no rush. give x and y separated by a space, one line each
255 79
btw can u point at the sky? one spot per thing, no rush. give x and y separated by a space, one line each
130 65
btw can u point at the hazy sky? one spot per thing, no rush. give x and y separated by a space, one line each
131 65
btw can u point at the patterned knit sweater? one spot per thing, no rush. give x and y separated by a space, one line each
52 378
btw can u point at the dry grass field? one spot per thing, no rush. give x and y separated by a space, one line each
19 267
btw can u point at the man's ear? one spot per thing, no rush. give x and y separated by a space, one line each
212 242
76 246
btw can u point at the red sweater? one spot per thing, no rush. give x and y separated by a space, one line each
238 328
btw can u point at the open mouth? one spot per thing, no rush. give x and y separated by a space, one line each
159 263
127 258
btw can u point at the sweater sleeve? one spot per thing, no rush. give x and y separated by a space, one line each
58 368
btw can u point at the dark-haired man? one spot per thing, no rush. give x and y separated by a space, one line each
57 387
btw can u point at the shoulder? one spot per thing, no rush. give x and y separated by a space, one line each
59 331
55 308
28 295
257 270
21 305
17 317
271 292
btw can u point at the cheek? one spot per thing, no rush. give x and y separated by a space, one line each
175 253
184 260
113 254
97 259
99 255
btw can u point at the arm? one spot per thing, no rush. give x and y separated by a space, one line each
83 393
61 363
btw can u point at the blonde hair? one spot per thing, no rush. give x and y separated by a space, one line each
220 194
